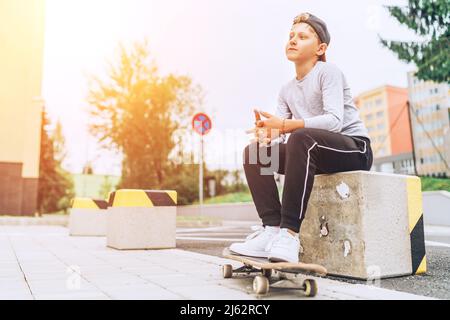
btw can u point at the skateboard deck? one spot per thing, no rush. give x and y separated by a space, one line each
261 283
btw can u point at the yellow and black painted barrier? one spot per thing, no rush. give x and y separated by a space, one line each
88 203
88 217
416 225
142 219
142 198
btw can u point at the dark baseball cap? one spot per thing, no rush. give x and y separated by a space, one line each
318 25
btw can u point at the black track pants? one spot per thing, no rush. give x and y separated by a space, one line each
308 152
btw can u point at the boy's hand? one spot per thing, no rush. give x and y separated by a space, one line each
272 122
264 133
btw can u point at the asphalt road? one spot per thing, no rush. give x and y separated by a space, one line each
436 283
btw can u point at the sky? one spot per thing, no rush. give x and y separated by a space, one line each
233 49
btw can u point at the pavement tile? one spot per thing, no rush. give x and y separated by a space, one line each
145 291
114 279
211 292
175 280
13 284
60 286
47 259
73 296
16 296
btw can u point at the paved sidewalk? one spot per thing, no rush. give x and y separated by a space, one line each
43 262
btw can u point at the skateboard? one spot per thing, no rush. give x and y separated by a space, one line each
261 283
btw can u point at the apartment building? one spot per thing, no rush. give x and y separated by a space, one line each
384 111
430 118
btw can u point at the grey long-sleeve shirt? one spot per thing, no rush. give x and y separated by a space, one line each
323 99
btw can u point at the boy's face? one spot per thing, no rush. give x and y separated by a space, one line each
303 44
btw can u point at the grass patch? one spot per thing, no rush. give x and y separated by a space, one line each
229 198
435 184
236 197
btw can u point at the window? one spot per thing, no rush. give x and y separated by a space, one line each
380 114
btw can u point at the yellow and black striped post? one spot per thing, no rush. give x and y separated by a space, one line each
416 225
88 203
143 198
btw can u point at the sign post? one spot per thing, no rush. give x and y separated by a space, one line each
201 124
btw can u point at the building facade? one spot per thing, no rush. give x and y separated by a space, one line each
384 111
21 103
430 118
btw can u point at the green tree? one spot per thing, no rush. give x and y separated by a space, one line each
55 184
59 143
184 179
238 184
430 19
137 111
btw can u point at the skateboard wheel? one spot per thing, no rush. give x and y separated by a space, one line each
227 271
266 272
310 287
261 285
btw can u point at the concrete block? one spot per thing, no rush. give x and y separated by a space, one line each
88 217
365 225
140 220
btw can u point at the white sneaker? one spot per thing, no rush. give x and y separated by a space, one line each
255 245
284 247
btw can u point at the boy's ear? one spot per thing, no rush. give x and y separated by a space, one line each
322 49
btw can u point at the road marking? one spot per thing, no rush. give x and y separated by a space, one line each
188 230
210 239
437 244
437 230
214 234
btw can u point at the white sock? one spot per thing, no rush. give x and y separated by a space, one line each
273 229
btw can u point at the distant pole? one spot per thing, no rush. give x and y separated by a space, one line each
412 136
200 176
235 151
201 124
